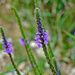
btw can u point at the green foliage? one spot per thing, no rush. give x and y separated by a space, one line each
8 68
42 64
46 14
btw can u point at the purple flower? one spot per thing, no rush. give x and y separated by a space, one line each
8 50
22 42
56 68
74 32
33 65
58 74
7 45
42 39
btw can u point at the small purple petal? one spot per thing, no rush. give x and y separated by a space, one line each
39 45
58 74
45 34
3 43
29 64
45 42
28 42
22 42
37 38
10 45
42 36
37 23
38 33
4 46
74 32
34 65
40 24
8 50
37 26
37 41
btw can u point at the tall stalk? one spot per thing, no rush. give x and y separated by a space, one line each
50 52
28 50
8 50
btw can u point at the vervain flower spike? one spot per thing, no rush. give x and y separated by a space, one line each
42 35
50 52
8 50
42 40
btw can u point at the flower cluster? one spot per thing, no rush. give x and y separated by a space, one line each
7 45
74 32
22 42
42 39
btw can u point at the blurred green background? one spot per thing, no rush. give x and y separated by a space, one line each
59 19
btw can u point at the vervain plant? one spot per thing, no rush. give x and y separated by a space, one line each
43 40
8 50
50 52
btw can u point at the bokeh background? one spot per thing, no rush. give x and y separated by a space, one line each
59 19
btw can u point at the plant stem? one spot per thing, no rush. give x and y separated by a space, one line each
50 52
49 61
28 50
4 37
14 64
30 58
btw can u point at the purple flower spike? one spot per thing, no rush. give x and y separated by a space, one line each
42 39
22 42
7 45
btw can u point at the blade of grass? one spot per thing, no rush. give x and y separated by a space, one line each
67 33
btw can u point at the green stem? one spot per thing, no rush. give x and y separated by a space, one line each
49 61
28 50
14 64
50 52
36 3
31 61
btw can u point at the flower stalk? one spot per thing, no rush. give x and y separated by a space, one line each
8 50
28 50
43 39
50 52
14 64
